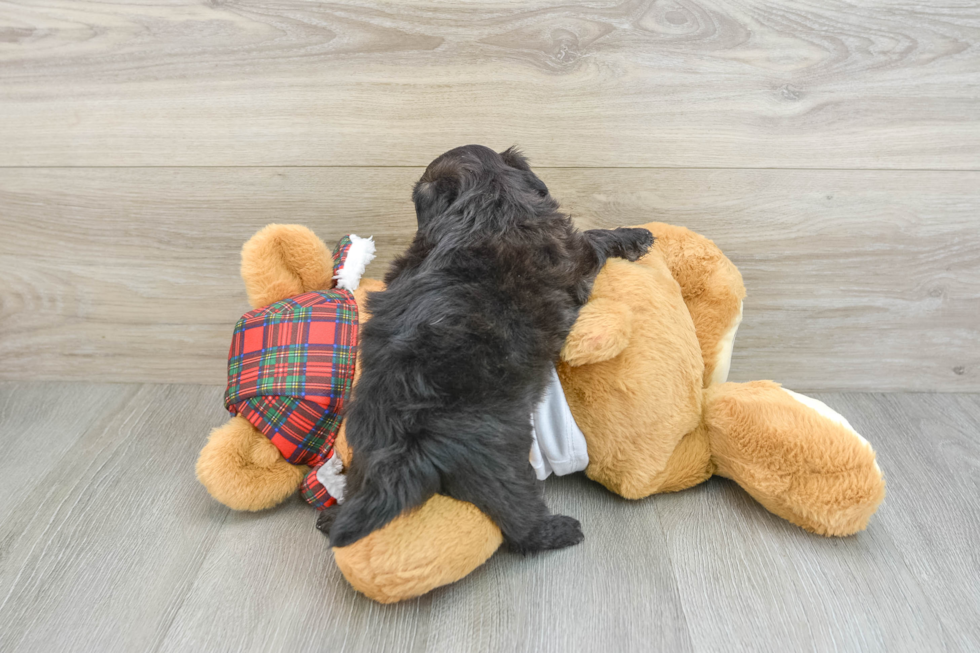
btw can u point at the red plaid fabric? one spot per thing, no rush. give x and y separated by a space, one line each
313 491
290 370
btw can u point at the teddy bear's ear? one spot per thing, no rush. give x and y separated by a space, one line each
600 333
283 260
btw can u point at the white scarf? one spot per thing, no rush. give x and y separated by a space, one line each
559 445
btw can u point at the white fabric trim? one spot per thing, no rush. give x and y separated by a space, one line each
558 445
361 253
725 346
331 476
827 412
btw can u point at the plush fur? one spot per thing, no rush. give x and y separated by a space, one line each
389 564
710 284
661 403
635 389
284 260
243 470
458 349
799 464
803 463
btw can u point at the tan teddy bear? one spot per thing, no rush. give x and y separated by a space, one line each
642 377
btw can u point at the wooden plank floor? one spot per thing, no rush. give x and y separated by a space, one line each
107 543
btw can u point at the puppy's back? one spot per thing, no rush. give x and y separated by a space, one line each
459 345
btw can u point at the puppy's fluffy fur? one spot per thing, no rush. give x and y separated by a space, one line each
458 349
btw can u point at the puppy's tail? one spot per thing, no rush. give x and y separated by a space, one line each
384 486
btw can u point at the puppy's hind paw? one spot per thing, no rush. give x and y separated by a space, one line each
555 532
561 531
326 517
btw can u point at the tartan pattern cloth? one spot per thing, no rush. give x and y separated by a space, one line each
340 253
313 491
290 370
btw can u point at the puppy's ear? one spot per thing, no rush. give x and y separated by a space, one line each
432 198
515 159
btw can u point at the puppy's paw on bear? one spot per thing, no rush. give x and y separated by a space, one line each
638 244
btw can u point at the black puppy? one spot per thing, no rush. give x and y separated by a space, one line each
458 349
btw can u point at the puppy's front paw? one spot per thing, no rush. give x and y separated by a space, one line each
637 242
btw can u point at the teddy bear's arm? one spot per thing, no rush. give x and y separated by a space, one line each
601 332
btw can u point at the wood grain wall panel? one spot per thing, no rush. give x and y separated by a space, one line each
725 83
856 280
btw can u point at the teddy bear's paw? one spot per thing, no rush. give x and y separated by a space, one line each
554 532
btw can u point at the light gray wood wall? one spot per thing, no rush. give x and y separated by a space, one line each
832 150
637 83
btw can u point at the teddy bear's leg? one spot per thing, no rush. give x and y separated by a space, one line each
437 544
284 260
794 455
689 465
441 542
242 469
712 289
